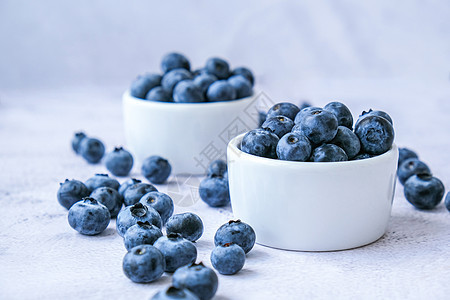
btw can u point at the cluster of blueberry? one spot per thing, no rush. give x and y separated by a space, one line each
420 187
214 189
214 82
319 134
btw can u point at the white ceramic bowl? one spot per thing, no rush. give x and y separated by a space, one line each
189 135
310 206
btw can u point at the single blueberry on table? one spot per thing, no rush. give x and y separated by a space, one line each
173 61
328 153
134 193
143 263
100 180
170 79
280 125
119 162
319 126
127 184
220 90
378 113
197 278
203 81
217 168
342 113
262 116
218 67
92 150
130 215
347 140
236 232
156 169
173 293
110 198
177 251
186 91
88 216
141 233
161 202
76 140
244 72
404 154
447 201
260 142
410 167
294 146
70 192
305 111
375 133
143 84
242 86
188 225
214 191
362 156
228 259
158 93
423 191
286 109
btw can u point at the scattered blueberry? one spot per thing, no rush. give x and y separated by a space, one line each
130 215
286 109
127 184
100 180
77 138
144 83
170 79
342 113
197 278
161 202
158 93
280 125
110 198
141 233
203 81
173 293
347 140
217 168
186 91
260 142
173 61
177 251
447 201
319 126
119 162
220 90
294 146
156 169
242 86
188 225
410 167
228 259
404 154
143 263
218 67
91 150
71 191
305 111
236 232
375 133
89 217
134 193
244 72
423 191
214 191
328 153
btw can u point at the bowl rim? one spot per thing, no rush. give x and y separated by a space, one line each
234 144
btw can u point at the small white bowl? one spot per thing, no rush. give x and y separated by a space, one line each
309 206
189 135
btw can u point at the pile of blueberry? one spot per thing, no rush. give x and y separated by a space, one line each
214 82
319 134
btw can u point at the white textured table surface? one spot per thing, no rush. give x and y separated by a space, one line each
41 257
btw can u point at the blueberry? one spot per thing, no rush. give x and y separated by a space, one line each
141 233
375 133
228 259
328 153
279 125
119 162
260 142
144 83
410 167
127 184
294 146
304 104
236 232
347 140
158 93
218 67
262 116
447 201
378 113
244 72
217 168
110 198
88 216
177 251
286 109
91 150
362 156
342 113
319 126
156 169
173 61
173 293
197 278
161 202
214 191
77 138
186 91
423 191
71 191
242 86
143 263
134 193
404 154
305 111
170 79
130 215
100 180
188 225
203 81
220 90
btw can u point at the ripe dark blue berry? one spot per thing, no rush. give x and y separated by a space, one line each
186 91
177 251
143 84
376 134
171 78
203 81
404 154
286 109
228 259
127 184
77 138
91 149
89 217
242 86
200 280
99 180
143 263
260 142
214 191
217 67
217 168
188 225
173 61
134 193
70 192
221 90
318 125
423 191
280 125
244 72
158 93
347 140
236 232
119 162
294 146
342 113
130 215
156 169
328 153
110 198
161 202
410 167
141 233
